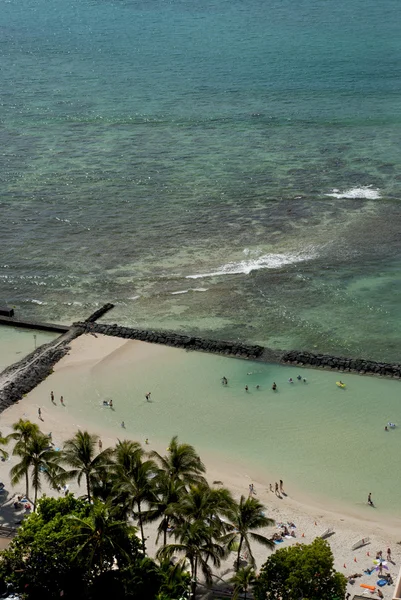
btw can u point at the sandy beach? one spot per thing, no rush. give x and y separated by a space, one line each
312 517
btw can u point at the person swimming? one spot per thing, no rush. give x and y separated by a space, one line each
392 425
299 377
290 380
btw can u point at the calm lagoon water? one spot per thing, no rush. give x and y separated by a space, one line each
17 343
224 168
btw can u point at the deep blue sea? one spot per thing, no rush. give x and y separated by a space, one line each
227 168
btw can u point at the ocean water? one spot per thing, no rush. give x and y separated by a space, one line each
225 168
17 343
324 442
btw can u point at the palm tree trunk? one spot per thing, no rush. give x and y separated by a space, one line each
239 552
27 484
88 489
141 526
36 489
194 581
165 524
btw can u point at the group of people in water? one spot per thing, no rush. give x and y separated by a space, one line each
389 426
224 381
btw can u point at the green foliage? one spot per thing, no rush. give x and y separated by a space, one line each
79 453
300 571
3 442
40 560
243 579
247 516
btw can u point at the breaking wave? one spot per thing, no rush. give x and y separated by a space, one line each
366 192
268 261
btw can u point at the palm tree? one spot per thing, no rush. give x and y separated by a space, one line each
195 542
41 460
244 577
247 516
167 493
206 504
181 463
80 453
133 476
23 431
175 579
101 537
3 442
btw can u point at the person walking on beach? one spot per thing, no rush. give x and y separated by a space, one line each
370 501
62 401
40 414
389 555
52 397
100 445
251 489
111 403
271 488
123 424
281 487
276 489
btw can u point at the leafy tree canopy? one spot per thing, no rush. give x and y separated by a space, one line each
301 571
43 561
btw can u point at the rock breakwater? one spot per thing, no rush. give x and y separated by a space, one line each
23 376
176 340
340 363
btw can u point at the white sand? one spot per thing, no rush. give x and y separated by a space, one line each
311 519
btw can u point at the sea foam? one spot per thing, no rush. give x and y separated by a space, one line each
366 192
268 261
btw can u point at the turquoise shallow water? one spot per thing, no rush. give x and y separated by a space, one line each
326 441
145 143
17 343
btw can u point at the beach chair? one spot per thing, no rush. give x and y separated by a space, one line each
330 531
361 543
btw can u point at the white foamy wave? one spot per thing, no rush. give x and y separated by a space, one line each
367 192
268 261
133 297
37 301
189 290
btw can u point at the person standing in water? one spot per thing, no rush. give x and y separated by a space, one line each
274 386
52 397
246 388
370 501
62 401
281 487
147 396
